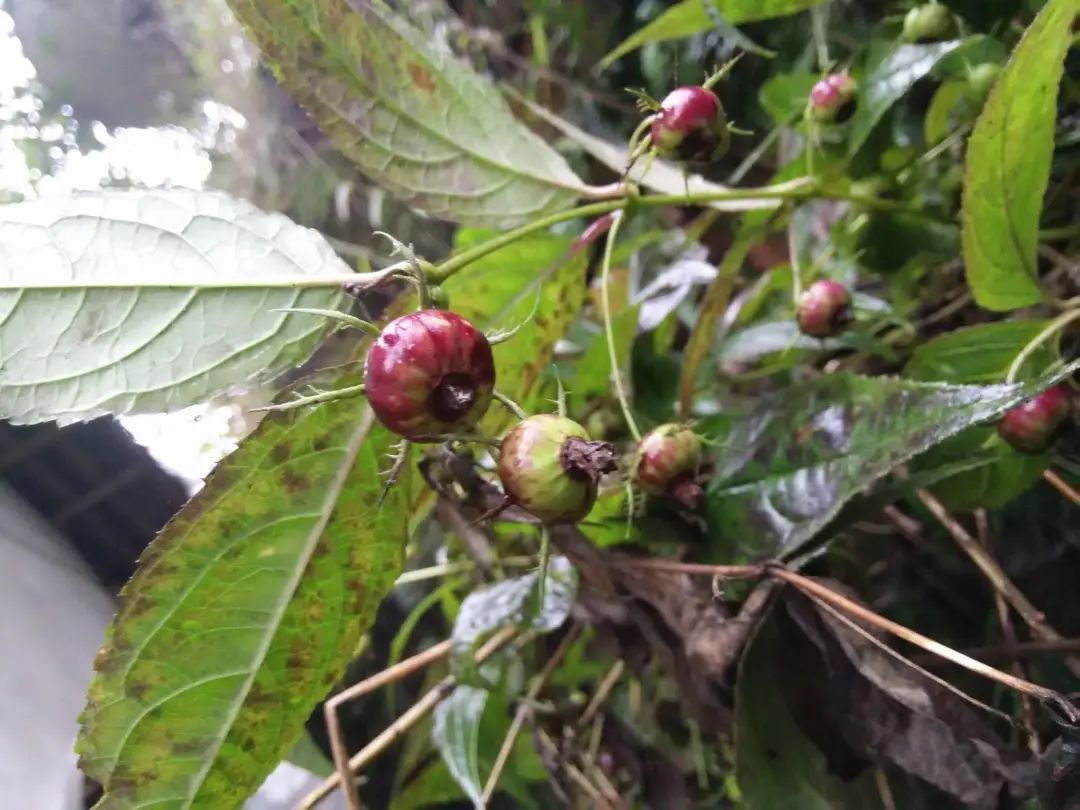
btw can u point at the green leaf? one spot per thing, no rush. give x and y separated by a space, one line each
891 75
510 603
784 95
501 290
776 765
244 612
937 124
1008 165
978 354
415 119
789 465
981 354
692 17
146 301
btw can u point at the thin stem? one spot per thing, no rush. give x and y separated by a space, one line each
998 579
1058 483
796 269
377 681
675 567
463 567
609 333
607 684
510 405
315 399
410 718
1051 329
525 709
824 594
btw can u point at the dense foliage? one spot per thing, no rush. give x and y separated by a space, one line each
717 375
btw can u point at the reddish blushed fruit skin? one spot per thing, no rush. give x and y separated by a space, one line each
534 474
690 126
1032 426
831 96
824 309
666 454
418 364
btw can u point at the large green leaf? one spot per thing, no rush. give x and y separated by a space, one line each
414 118
692 17
978 354
502 289
789 465
244 612
1008 164
143 301
891 74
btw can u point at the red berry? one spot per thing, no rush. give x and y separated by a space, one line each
691 126
549 467
1032 426
429 372
824 309
832 98
667 459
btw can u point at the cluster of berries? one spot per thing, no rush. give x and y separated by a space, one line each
431 374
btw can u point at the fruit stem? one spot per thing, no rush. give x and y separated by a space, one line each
609 333
510 405
1052 328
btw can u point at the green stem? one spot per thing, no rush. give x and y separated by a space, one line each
609 334
510 405
1052 328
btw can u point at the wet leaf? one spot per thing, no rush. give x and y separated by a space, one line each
501 290
417 121
785 468
692 17
244 612
890 75
1008 164
148 301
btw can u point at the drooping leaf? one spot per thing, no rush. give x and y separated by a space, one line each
777 766
501 290
415 119
244 612
890 75
147 301
785 468
692 17
512 602
1008 164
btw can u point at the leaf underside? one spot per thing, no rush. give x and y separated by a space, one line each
72 349
413 118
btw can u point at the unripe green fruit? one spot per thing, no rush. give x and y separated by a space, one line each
550 467
931 22
667 459
981 79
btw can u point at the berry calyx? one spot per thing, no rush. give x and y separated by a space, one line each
832 98
824 309
428 373
930 22
1032 426
691 126
667 461
549 467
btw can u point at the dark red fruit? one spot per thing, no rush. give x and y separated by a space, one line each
691 126
667 460
930 22
429 372
549 467
832 98
1032 426
824 309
